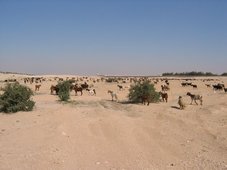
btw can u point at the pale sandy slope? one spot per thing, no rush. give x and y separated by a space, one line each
95 133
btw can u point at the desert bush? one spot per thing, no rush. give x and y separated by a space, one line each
143 89
192 73
71 81
224 74
111 80
64 90
16 98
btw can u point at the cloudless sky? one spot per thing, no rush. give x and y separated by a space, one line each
123 37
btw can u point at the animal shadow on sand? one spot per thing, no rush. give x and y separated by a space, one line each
125 102
120 102
175 107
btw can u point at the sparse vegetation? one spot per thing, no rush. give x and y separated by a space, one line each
192 73
64 90
224 74
111 80
16 98
139 90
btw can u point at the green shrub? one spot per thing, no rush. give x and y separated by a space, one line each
16 98
64 90
143 89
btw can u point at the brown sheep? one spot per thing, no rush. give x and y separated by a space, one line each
181 103
37 86
145 98
194 85
164 96
165 87
225 89
120 87
54 88
76 89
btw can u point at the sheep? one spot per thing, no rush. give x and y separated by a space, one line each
181 103
145 98
225 89
218 86
186 84
164 87
37 86
54 88
195 97
183 84
194 85
76 89
164 96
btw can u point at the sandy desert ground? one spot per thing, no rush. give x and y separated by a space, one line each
92 132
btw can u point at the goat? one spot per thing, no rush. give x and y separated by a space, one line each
54 88
195 97
194 85
164 96
91 91
225 89
120 87
113 95
145 98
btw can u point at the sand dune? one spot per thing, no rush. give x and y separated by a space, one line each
92 132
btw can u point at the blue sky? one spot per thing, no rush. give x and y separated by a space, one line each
124 37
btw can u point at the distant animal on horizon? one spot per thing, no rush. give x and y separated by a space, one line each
113 95
186 84
194 85
195 97
164 96
181 103
37 87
